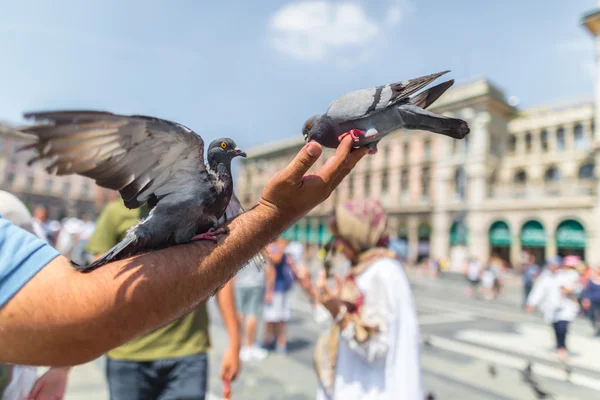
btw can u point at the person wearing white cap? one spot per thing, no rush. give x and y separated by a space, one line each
554 293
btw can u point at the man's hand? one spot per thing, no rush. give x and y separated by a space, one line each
586 304
529 308
291 193
268 296
230 365
51 385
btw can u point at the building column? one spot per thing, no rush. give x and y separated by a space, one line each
478 242
515 250
440 235
550 245
413 237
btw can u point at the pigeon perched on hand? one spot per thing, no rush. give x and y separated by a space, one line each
370 114
149 161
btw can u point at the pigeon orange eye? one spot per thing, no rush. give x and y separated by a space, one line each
223 145
308 126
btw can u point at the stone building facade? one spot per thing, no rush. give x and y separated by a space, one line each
523 180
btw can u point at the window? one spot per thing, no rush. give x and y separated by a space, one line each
404 182
544 140
560 139
466 144
586 171
385 182
592 129
579 140
48 185
66 187
520 177
512 144
528 142
367 184
30 182
460 183
10 178
552 175
405 150
351 186
425 183
386 155
427 148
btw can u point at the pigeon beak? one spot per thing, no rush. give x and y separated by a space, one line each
238 153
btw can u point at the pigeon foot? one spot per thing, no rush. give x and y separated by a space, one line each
355 134
210 235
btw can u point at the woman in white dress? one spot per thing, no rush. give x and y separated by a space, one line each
371 351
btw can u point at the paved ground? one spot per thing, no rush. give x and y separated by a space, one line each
466 337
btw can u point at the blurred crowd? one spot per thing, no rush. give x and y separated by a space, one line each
360 307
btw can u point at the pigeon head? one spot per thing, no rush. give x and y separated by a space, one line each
223 151
318 128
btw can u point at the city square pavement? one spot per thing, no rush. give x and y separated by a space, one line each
472 349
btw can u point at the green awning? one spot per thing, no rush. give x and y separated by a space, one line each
312 234
324 234
302 231
288 234
403 232
424 231
570 235
533 235
499 235
458 234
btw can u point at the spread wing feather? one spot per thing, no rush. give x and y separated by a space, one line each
137 155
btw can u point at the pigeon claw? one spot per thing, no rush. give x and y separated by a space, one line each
355 134
210 235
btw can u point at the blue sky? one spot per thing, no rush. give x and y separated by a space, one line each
255 71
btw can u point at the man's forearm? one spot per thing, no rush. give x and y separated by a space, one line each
64 317
226 301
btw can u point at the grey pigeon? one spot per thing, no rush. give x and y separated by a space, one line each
370 114
149 161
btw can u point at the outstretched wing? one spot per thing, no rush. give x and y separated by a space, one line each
362 103
144 158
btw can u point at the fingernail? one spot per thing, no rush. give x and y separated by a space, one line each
313 149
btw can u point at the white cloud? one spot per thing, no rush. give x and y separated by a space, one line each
314 30
394 15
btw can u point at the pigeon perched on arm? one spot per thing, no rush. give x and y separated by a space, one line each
149 161
370 114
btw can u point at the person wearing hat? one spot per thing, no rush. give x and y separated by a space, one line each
371 350
554 294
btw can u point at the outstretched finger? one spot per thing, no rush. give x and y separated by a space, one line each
354 157
305 159
335 164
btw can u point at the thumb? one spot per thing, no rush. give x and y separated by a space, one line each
305 159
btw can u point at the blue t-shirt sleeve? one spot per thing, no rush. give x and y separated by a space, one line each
22 255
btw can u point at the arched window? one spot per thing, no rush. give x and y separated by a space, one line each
552 175
512 144
520 177
578 137
586 171
544 140
460 183
385 182
367 184
425 178
560 139
528 142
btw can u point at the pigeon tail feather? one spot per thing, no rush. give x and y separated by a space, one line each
429 96
127 247
417 118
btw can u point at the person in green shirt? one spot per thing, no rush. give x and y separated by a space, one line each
169 362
